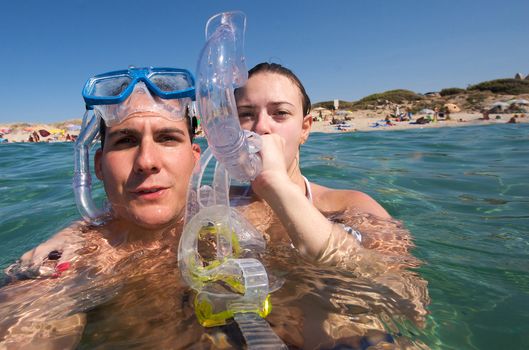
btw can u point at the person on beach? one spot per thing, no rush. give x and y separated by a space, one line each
485 115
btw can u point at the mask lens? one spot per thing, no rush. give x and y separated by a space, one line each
171 81
111 86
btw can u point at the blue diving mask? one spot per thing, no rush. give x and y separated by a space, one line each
114 96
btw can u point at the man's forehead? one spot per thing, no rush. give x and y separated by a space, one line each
155 123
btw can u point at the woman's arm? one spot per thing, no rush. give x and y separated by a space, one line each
38 263
311 232
307 227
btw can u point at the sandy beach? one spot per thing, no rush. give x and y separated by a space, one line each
352 122
39 132
360 122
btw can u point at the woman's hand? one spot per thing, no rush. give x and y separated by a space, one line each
49 259
274 172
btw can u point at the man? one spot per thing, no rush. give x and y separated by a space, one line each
146 155
145 162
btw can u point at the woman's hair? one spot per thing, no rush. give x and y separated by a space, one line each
191 127
266 67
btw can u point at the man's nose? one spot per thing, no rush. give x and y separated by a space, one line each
148 159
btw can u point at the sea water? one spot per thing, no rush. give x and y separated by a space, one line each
462 192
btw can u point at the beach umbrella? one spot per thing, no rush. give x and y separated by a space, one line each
451 108
519 101
426 111
57 131
44 133
500 105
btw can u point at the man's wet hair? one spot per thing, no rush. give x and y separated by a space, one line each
192 124
266 67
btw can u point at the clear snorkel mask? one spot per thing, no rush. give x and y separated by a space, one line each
116 96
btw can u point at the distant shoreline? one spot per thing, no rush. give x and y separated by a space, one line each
357 121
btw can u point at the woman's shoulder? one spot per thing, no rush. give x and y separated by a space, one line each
328 199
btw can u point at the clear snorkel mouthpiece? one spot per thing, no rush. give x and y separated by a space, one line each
229 283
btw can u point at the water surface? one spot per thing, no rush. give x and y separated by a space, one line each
462 192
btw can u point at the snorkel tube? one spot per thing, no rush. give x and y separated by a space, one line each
217 243
82 180
221 68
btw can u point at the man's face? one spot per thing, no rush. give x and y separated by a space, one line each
145 166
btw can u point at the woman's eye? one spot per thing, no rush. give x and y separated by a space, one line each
281 114
245 115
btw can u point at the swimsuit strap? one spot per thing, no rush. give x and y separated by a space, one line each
357 234
247 191
248 188
307 186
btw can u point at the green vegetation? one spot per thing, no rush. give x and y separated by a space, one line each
476 100
330 105
395 96
451 91
503 86
426 104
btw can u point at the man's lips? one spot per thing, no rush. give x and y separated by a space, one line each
149 193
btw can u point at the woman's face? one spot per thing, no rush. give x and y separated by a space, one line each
271 103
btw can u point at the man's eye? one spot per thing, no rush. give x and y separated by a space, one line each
126 140
170 138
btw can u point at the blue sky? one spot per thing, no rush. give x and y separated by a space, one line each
339 49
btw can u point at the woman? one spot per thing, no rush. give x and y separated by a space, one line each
274 104
343 228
